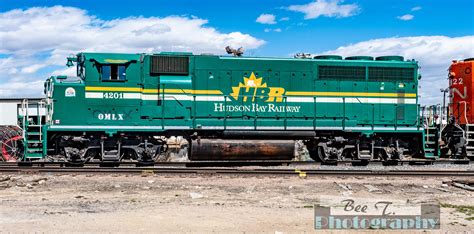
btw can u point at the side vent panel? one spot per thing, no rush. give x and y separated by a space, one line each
169 65
391 74
341 72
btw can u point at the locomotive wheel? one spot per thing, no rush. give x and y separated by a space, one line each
12 149
313 154
323 161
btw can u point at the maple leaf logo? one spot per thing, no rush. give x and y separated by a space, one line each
249 82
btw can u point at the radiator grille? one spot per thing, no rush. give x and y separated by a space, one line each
391 73
341 72
169 65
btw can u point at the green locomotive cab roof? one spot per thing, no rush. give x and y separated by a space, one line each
111 58
115 68
176 53
67 79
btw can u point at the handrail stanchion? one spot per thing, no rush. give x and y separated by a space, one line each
314 119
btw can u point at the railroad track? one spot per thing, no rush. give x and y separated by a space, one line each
238 163
239 171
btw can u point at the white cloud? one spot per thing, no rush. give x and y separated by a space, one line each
284 18
78 30
417 8
153 29
434 54
406 17
36 41
266 19
19 89
32 68
272 30
328 8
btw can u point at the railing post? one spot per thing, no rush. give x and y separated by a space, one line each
194 111
373 116
286 113
396 116
163 108
418 117
255 121
315 115
343 113
423 113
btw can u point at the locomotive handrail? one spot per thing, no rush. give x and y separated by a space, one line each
395 116
25 114
343 113
417 117
194 111
373 116
286 112
163 107
315 115
287 115
465 111
39 119
225 112
255 121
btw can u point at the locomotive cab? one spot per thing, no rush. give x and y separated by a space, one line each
90 113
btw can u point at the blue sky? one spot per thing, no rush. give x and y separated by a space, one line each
433 32
377 19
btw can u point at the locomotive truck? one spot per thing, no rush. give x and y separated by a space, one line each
124 107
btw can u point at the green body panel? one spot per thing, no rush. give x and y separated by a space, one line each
216 94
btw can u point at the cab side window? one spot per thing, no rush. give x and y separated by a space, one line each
113 72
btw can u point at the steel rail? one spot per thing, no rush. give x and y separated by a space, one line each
241 163
240 171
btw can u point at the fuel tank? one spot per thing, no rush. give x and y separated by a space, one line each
229 149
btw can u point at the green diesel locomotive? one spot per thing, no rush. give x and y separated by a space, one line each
124 106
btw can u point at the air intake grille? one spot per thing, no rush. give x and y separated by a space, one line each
169 65
341 72
391 73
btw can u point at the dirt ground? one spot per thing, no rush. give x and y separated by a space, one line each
202 203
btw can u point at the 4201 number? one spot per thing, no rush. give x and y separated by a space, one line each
112 95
